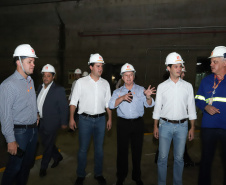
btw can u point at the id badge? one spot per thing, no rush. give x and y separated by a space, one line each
210 101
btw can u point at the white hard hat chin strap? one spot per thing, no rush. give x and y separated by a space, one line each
22 67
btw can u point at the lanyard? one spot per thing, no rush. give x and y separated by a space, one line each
215 86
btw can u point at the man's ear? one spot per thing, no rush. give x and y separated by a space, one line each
18 63
168 68
91 67
224 62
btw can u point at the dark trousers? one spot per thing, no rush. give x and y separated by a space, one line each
18 168
209 138
50 149
129 132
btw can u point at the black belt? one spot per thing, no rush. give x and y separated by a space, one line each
26 126
135 119
175 121
93 116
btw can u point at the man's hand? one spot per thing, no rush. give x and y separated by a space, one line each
149 91
128 97
191 134
12 148
109 124
212 110
72 124
156 132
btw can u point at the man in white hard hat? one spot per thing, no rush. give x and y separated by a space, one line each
85 73
211 99
130 100
93 94
19 118
53 110
78 74
174 105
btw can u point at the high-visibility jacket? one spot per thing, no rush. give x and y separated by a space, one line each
219 101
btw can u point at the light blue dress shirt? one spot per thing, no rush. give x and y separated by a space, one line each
134 109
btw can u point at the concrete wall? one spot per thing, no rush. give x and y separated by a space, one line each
142 33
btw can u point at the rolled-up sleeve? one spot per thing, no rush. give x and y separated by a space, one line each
108 96
147 105
76 94
114 97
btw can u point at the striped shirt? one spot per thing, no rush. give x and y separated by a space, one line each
18 104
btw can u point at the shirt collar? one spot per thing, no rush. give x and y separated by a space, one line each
124 87
179 81
93 80
20 77
47 86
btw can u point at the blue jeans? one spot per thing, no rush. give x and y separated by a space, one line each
167 132
91 127
210 137
18 169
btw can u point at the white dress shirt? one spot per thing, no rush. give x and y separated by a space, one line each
93 97
175 101
42 97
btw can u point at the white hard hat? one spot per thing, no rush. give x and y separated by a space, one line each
24 50
85 73
48 68
218 52
174 58
78 71
95 58
126 68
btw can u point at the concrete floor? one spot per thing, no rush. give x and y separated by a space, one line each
65 173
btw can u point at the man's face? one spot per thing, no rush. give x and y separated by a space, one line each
97 69
28 64
128 77
77 76
47 78
217 64
175 70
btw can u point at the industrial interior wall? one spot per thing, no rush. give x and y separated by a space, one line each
65 33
